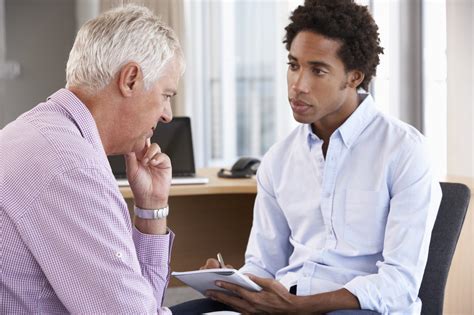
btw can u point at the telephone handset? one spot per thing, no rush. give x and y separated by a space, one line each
244 168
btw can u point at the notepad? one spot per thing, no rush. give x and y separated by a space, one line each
203 280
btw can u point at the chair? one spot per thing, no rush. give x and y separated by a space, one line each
444 238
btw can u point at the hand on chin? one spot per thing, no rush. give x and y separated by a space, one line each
149 174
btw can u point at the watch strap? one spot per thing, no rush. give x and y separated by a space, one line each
151 214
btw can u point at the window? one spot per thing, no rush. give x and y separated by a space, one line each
411 82
435 101
236 69
236 89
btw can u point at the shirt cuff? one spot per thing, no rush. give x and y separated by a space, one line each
362 288
153 249
257 271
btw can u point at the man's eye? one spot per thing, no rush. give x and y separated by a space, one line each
292 65
317 71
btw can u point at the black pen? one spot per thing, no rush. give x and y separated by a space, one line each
221 260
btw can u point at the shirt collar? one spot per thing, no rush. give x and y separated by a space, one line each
311 138
351 129
353 126
80 114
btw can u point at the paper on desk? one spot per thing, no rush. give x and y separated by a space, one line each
203 280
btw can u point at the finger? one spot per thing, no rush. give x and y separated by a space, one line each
211 263
131 162
265 283
236 289
151 151
160 160
141 153
241 305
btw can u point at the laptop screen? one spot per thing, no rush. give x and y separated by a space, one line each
174 139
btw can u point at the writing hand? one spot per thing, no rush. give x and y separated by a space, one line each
273 299
213 263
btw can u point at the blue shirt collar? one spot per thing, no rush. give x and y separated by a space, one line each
353 126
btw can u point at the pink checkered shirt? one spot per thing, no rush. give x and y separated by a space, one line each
67 244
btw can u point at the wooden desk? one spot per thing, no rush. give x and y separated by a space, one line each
209 218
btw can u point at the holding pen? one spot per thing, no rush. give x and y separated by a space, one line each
221 260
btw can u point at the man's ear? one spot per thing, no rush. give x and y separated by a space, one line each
355 78
129 78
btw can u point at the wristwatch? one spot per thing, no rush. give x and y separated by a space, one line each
151 214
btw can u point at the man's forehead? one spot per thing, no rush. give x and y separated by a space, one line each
311 46
314 42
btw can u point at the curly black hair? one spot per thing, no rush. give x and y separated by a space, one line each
347 22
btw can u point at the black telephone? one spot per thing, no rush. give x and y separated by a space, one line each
244 168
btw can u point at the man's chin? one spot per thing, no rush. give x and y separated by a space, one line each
303 119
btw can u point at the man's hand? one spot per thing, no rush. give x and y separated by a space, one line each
149 176
214 263
273 299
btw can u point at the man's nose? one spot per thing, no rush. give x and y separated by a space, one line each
167 114
299 83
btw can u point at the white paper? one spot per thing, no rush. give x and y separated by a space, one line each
203 280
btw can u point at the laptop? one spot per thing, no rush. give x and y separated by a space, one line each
174 139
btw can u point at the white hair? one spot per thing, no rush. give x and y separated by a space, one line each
105 44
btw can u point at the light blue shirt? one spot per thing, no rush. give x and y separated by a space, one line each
360 219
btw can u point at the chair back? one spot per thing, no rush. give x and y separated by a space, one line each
444 238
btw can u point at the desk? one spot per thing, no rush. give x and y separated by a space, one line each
210 218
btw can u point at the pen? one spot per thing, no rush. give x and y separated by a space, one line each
221 260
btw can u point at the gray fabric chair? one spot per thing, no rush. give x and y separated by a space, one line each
444 238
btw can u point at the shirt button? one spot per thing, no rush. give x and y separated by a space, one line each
118 254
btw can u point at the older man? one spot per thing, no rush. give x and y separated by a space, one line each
67 242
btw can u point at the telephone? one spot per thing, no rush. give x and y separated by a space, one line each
244 168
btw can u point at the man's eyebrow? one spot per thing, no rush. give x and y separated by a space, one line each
312 63
320 64
171 91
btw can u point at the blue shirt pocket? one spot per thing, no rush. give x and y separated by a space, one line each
365 219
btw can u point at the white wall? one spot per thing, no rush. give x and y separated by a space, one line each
460 16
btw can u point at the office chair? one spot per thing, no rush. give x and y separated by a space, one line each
444 238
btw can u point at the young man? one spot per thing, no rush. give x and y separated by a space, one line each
346 203
67 242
